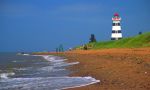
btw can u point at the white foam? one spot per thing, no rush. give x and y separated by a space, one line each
52 58
65 64
92 79
26 54
58 62
5 75
14 61
50 69
22 69
46 83
73 63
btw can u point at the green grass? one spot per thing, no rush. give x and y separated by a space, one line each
138 41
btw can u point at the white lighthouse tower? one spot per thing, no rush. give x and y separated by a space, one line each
116 27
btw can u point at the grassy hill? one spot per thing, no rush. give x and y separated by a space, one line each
142 40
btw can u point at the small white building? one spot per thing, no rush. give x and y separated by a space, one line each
116 27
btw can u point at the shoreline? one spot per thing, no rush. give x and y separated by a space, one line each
69 64
80 86
117 69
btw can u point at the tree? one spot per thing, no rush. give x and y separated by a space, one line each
92 38
140 33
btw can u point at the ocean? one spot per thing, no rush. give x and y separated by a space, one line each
38 72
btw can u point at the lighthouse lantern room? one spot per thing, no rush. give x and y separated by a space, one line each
116 27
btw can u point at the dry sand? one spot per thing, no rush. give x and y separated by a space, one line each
117 69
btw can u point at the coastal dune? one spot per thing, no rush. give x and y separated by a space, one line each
117 69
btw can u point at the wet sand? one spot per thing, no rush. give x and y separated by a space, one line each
117 69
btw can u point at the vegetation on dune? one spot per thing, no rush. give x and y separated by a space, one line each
142 40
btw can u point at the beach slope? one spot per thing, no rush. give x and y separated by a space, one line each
117 69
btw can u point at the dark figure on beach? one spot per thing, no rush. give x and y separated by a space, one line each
57 50
61 49
85 47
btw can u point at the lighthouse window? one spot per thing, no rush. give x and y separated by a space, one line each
116 31
113 31
119 31
113 24
116 24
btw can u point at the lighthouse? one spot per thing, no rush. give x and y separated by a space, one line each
116 27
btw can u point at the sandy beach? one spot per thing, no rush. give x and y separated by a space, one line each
117 69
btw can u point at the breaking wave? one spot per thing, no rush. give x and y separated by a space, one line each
58 62
46 83
41 76
6 75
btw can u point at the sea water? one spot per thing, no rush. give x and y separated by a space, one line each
38 72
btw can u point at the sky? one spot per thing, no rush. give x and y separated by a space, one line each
42 25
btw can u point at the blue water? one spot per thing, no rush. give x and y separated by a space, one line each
32 72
